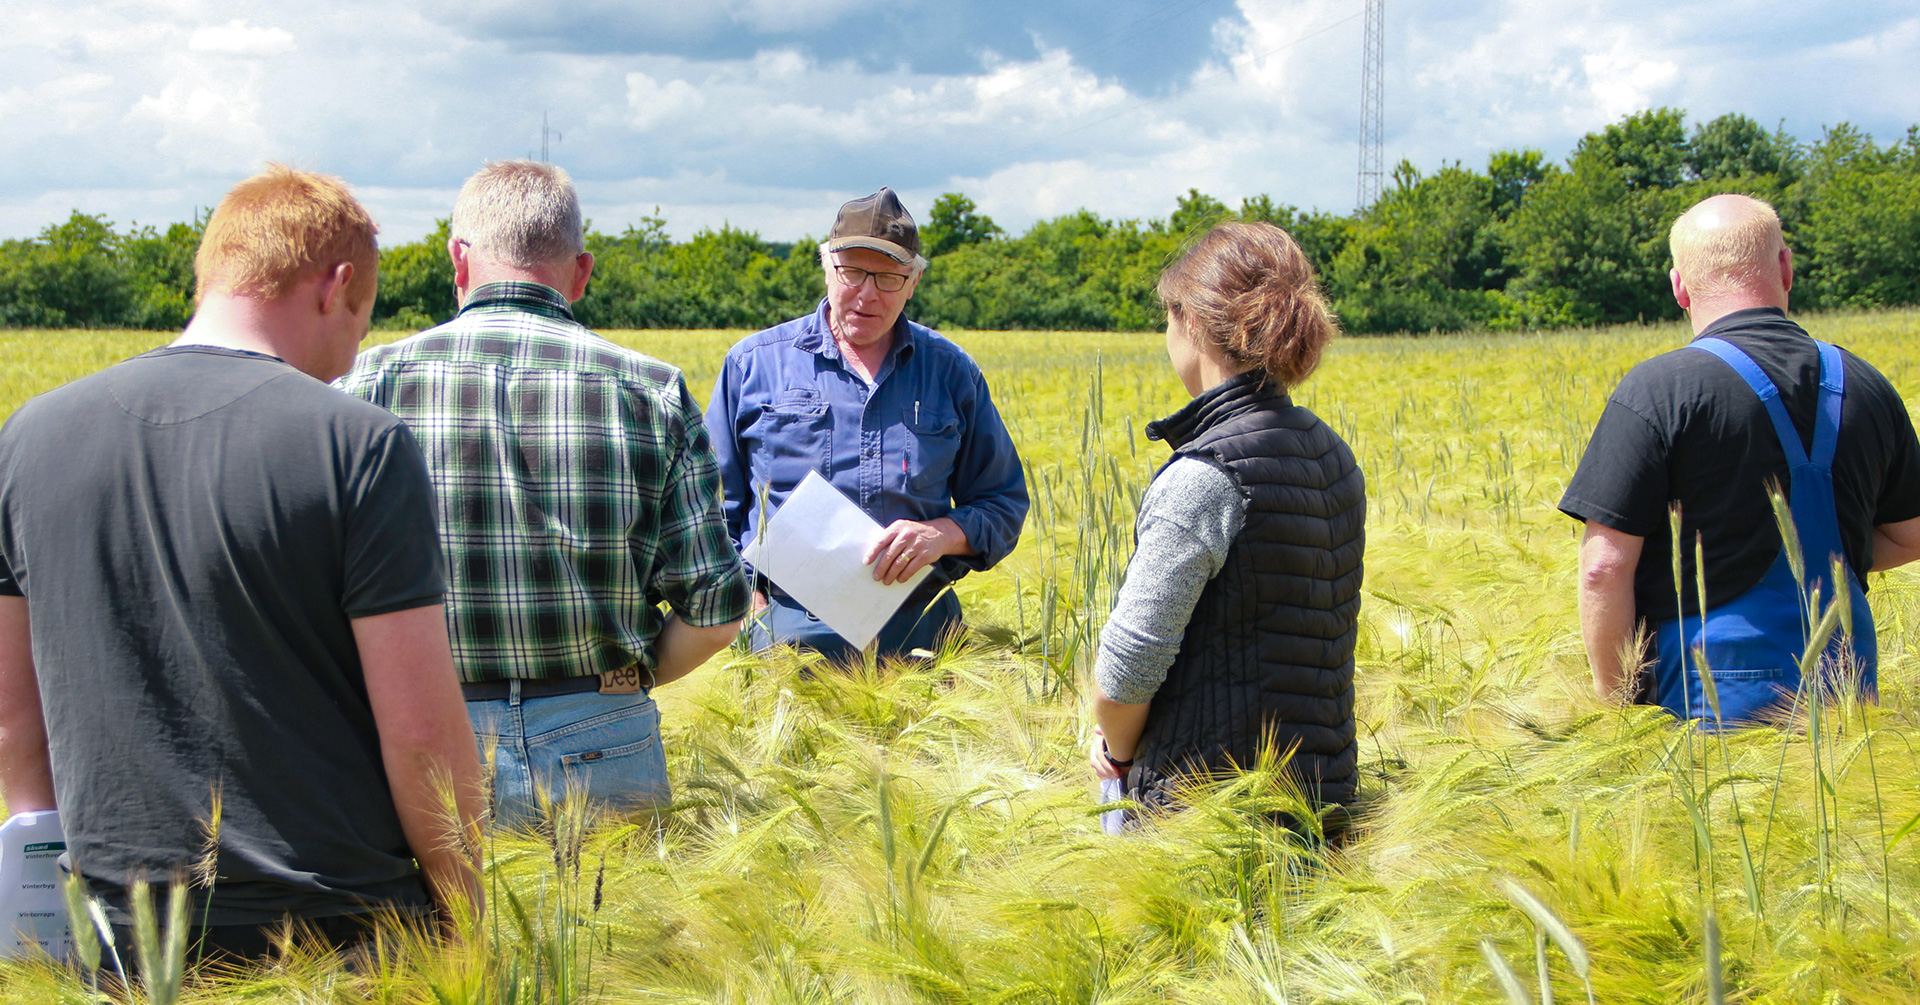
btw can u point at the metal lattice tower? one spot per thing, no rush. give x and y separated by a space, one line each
548 137
1372 104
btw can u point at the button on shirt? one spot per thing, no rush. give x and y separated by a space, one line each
922 441
577 489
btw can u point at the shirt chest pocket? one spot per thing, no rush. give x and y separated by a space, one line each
933 445
792 436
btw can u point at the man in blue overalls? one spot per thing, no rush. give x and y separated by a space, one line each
1753 401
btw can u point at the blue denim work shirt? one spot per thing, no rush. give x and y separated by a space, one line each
923 441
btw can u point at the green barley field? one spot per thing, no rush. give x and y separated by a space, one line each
926 834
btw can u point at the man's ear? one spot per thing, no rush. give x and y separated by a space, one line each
457 250
332 292
1680 294
582 271
1786 269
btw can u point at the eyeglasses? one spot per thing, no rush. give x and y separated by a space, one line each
885 282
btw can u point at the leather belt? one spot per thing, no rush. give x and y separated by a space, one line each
625 680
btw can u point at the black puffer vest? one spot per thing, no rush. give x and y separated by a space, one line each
1268 655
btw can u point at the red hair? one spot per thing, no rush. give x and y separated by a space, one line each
282 226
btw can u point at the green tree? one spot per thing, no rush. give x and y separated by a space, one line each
1195 212
1860 240
953 224
159 267
1075 272
1513 173
630 288
1734 145
70 276
1320 235
1590 243
1591 246
1423 257
1648 150
416 283
730 279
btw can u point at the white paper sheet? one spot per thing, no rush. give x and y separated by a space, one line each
813 547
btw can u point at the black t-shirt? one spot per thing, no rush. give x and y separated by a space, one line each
1684 427
193 530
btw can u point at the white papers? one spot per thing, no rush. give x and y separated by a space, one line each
33 908
814 548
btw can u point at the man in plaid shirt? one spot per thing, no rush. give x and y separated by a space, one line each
577 491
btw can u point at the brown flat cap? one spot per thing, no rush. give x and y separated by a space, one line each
878 223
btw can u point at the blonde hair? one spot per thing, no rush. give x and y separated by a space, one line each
524 213
1247 290
282 226
1725 244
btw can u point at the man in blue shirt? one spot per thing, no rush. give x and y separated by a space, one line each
890 412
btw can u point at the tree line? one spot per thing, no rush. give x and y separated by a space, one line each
1523 243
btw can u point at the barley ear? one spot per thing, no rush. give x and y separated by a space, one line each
86 938
1509 981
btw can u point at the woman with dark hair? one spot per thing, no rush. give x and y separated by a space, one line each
1234 630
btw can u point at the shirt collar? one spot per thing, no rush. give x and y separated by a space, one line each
816 336
1222 401
1744 318
519 295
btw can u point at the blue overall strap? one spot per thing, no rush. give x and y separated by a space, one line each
1833 387
1755 641
1757 379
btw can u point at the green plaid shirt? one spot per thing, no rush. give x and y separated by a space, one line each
577 487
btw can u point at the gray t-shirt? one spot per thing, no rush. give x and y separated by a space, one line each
1188 520
193 530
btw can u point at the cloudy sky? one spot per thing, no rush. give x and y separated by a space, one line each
769 113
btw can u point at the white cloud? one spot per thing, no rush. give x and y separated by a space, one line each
652 103
73 98
1901 38
1273 41
206 119
237 38
149 108
1623 81
689 19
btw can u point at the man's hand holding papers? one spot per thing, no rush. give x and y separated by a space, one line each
818 547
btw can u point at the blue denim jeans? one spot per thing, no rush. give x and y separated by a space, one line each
604 747
914 626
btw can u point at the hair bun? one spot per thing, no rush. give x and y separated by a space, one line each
1248 291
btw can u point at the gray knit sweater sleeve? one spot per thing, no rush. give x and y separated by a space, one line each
1188 519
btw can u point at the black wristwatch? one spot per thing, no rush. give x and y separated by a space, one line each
1118 764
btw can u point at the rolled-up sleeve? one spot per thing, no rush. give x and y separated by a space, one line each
989 483
699 575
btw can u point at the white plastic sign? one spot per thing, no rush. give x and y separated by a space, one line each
33 910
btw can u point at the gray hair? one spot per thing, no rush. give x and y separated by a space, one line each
522 212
